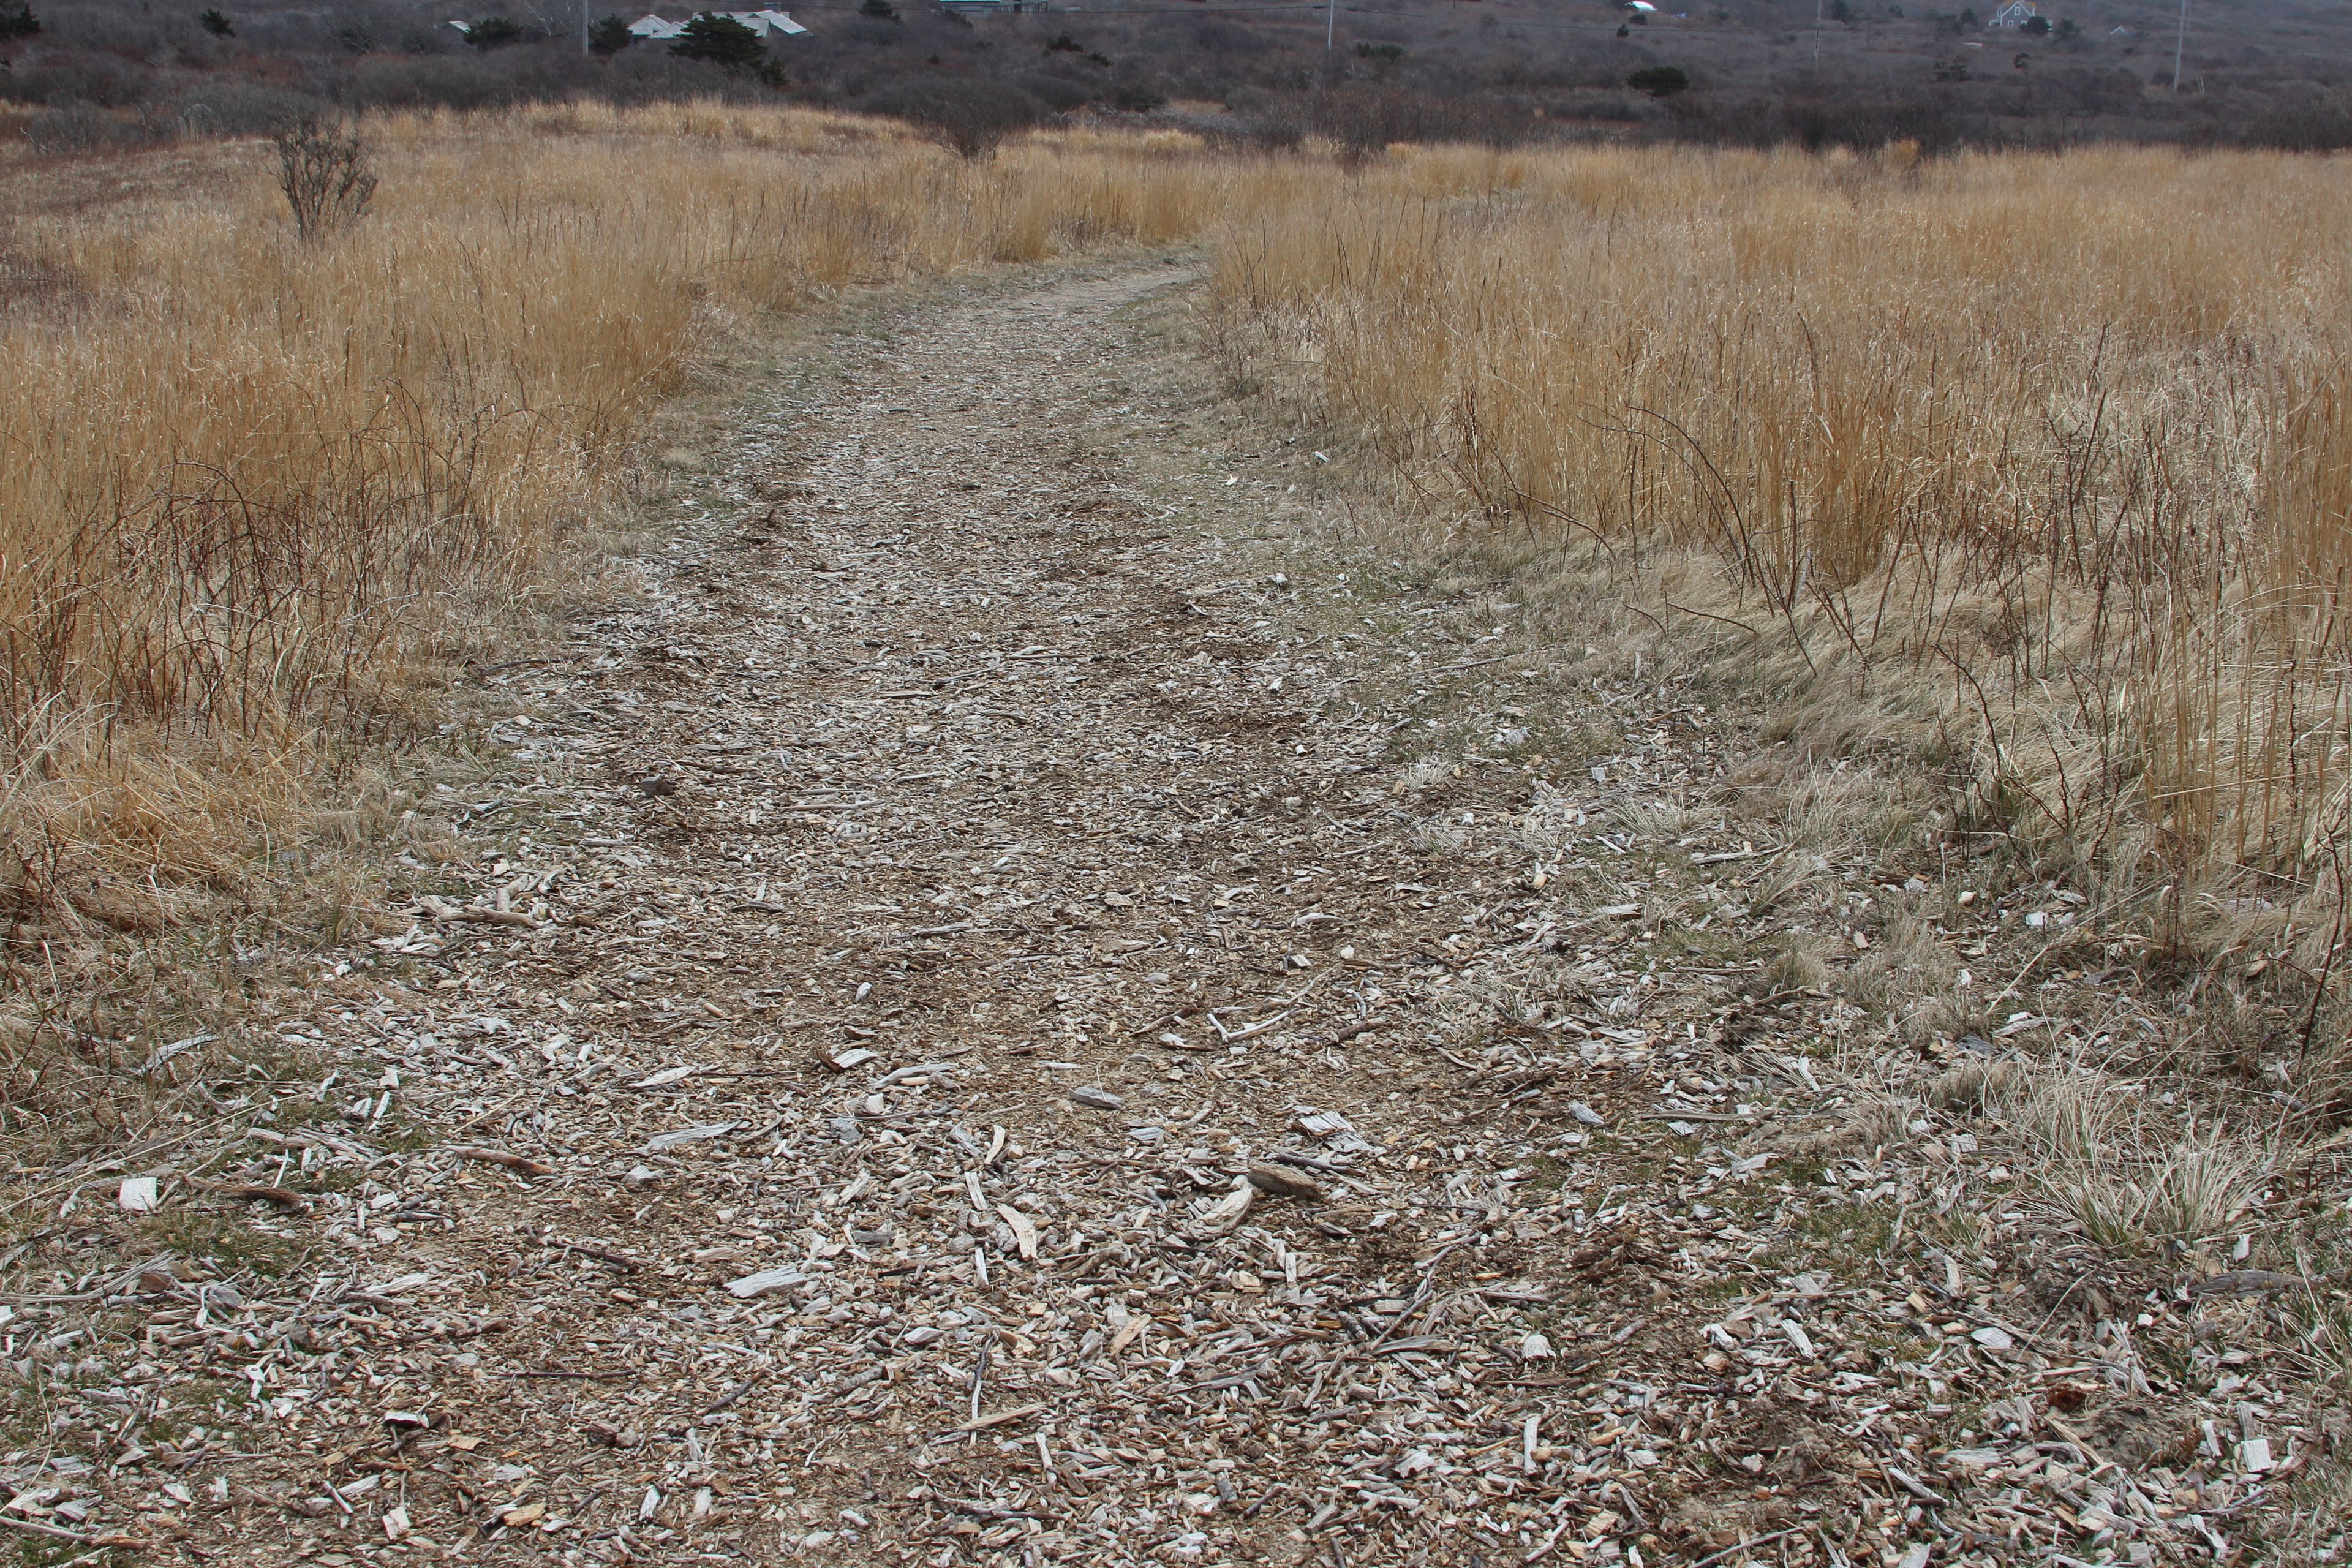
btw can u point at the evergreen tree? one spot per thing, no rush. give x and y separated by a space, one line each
722 41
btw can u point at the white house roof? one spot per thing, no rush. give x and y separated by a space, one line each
760 22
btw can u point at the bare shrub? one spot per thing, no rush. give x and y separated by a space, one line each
970 119
461 81
242 109
2303 117
323 168
78 128
1365 120
1058 96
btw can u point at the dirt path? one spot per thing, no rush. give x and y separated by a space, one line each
1020 1066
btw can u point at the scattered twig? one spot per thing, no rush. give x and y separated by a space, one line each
1750 1544
522 1164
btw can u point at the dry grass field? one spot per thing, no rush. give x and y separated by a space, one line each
2033 467
2015 489
2049 455
2009 493
259 494
2031 473
256 490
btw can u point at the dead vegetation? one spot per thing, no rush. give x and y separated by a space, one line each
922 1046
2032 587
1729 1108
276 491
2072 547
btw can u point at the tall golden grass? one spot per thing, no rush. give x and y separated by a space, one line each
251 490
2049 455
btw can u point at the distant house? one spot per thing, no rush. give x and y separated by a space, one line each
992 8
764 24
1643 6
2013 15
769 22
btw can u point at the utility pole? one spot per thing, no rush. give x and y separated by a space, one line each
583 29
2180 41
1331 24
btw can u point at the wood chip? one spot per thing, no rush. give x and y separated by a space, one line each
1001 1417
767 1282
1282 1182
522 1164
1227 1213
1024 1229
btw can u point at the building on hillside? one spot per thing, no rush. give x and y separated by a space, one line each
765 24
2013 15
992 8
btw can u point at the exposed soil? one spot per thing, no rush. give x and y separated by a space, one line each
1004 1049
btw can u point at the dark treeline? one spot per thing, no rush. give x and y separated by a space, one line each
1749 72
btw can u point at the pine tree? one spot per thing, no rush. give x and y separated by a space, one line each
721 41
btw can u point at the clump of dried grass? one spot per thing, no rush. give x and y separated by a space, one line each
1797 966
1426 775
2125 1175
1787 878
1980 1086
1875 1121
1647 818
2127 1171
1910 975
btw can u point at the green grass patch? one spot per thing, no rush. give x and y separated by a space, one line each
223 1241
